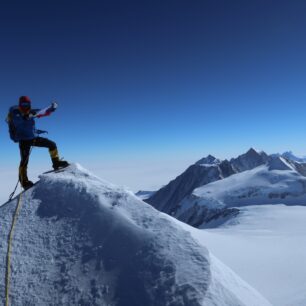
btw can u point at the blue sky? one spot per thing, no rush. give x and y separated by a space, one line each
156 82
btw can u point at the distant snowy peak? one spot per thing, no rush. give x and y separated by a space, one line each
246 161
291 156
249 160
208 161
167 198
204 171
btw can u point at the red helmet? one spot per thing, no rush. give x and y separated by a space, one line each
24 103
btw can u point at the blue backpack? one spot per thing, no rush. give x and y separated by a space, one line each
9 121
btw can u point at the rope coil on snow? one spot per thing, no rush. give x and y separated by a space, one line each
8 256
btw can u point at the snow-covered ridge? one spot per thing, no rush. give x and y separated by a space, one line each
82 241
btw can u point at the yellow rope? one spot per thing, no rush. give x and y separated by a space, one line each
8 258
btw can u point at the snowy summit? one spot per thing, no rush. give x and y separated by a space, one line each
79 240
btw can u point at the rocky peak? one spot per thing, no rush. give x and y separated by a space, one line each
249 160
208 160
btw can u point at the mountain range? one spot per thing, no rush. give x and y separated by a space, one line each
211 190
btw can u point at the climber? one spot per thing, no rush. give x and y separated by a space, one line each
22 129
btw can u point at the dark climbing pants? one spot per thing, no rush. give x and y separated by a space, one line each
25 147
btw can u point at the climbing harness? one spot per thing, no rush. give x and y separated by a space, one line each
9 249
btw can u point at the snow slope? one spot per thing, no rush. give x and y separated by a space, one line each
264 184
82 241
266 245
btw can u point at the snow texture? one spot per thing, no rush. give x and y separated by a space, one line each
266 245
144 194
79 240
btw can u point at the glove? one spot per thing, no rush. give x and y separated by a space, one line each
53 106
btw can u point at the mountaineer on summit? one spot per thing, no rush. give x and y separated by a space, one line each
22 129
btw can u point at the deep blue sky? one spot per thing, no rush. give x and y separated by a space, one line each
158 80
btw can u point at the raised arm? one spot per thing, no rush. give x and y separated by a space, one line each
45 111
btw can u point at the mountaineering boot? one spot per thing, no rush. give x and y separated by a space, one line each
23 178
57 163
27 184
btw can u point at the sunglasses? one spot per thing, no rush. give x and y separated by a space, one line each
25 105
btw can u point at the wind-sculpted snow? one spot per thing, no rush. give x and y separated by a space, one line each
81 241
